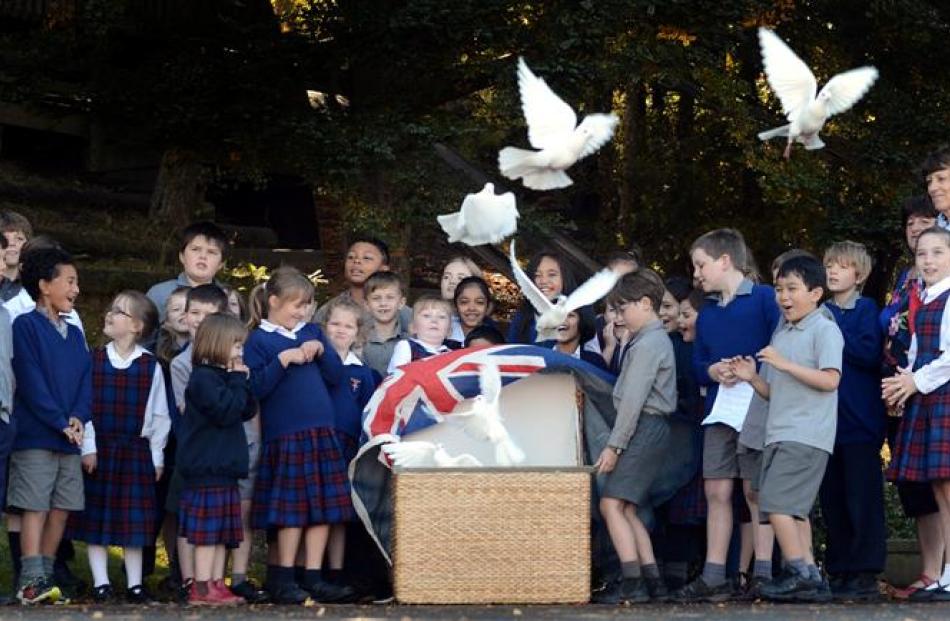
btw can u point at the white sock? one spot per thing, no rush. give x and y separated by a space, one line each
98 564
133 566
944 579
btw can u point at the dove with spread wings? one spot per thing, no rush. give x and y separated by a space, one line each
552 130
484 218
417 454
551 315
484 421
796 87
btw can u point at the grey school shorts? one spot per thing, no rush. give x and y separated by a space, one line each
641 462
750 465
246 486
791 475
41 480
719 452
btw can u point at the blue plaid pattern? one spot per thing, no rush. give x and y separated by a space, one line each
121 493
209 516
922 449
302 481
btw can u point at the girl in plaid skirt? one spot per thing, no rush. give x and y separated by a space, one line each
302 486
922 447
123 446
212 454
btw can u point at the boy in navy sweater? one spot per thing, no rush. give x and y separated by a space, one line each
852 492
737 321
53 402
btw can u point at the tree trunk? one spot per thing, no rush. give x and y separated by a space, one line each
178 194
331 229
634 134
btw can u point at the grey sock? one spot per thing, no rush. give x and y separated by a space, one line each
676 569
762 569
32 569
813 573
237 579
630 569
651 570
798 564
714 574
48 564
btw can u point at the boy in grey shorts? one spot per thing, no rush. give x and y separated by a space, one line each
803 369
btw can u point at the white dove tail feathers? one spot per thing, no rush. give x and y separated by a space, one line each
515 163
774 133
507 453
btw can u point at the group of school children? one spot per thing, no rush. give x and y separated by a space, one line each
208 416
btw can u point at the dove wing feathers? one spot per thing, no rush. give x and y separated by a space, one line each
550 120
845 89
411 454
601 128
489 380
790 78
540 303
593 289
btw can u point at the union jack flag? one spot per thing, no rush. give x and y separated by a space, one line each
418 394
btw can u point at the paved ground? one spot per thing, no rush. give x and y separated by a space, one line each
731 612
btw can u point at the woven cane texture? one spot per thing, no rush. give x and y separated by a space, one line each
480 536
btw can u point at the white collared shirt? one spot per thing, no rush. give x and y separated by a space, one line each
157 423
402 353
934 375
352 358
267 326
576 353
22 303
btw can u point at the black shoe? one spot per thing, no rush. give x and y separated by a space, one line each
251 593
656 587
861 587
839 585
139 595
623 591
288 593
184 590
699 591
941 594
103 594
752 591
328 593
822 593
674 583
791 587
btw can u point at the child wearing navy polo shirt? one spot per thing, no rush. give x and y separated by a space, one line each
53 402
852 493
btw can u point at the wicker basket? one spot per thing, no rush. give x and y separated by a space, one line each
492 535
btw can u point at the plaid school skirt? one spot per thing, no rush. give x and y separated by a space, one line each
922 447
210 516
121 505
302 481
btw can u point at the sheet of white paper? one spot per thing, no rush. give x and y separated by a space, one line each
731 405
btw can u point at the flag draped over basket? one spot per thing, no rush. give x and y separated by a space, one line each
419 394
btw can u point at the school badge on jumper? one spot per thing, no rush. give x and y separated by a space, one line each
355 383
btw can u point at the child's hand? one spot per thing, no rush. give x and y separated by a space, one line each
158 474
292 356
89 463
898 389
610 335
744 367
237 365
312 349
74 431
771 356
722 373
607 461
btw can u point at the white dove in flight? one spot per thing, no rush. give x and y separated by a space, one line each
795 86
484 218
553 130
417 454
484 421
553 314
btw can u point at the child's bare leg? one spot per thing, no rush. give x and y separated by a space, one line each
288 540
641 535
804 532
621 534
204 563
220 561
336 546
32 532
316 545
53 531
930 538
719 520
762 534
790 540
186 559
942 494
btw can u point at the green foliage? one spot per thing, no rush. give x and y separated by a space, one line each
229 80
